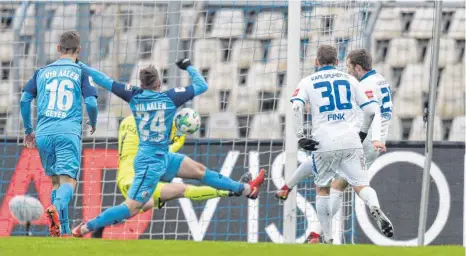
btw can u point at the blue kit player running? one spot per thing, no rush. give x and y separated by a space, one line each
153 112
58 88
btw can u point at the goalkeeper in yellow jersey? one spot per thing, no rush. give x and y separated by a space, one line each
127 147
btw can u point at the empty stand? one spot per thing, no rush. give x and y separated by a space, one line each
419 130
422 24
228 23
402 51
266 125
222 125
268 25
410 95
245 52
451 93
458 129
207 52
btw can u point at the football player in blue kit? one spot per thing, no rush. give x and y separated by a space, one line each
58 88
154 112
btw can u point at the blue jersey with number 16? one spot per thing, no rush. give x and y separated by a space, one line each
58 88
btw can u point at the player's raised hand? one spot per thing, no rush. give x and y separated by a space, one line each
379 146
183 63
93 127
30 140
308 144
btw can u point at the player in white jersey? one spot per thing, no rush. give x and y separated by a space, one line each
376 87
335 101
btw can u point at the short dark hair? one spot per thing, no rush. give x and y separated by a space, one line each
69 42
148 76
361 57
327 55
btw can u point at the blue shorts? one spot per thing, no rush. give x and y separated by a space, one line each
149 170
60 154
173 161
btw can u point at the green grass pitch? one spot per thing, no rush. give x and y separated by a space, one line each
29 246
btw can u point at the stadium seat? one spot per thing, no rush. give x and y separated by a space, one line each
29 25
246 52
107 126
419 130
458 129
402 51
64 18
188 22
388 24
222 125
263 77
268 25
451 92
409 97
207 52
144 20
448 53
245 99
6 48
228 23
207 103
395 131
386 71
313 23
266 125
422 24
160 53
223 76
103 21
283 103
348 22
128 48
277 50
457 25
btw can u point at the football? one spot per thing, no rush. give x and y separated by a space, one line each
187 121
26 208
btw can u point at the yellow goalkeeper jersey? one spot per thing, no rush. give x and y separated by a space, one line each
128 142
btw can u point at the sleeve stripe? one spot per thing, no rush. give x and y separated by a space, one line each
298 99
367 103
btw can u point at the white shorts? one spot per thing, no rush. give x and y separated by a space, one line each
350 163
369 152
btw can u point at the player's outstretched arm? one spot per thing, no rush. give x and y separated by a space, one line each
199 83
99 78
121 90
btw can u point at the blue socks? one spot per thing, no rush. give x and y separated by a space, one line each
110 216
61 199
218 181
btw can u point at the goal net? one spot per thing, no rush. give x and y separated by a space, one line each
241 49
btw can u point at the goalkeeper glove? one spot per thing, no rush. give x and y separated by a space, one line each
362 136
183 63
308 144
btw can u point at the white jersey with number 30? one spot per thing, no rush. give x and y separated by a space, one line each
336 101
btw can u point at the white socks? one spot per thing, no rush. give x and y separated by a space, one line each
336 197
323 214
304 170
369 196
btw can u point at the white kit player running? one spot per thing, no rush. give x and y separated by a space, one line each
376 87
335 101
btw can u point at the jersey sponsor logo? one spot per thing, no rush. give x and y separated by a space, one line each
144 194
180 89
296 92
369 94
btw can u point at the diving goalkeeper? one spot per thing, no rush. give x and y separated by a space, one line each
127 147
